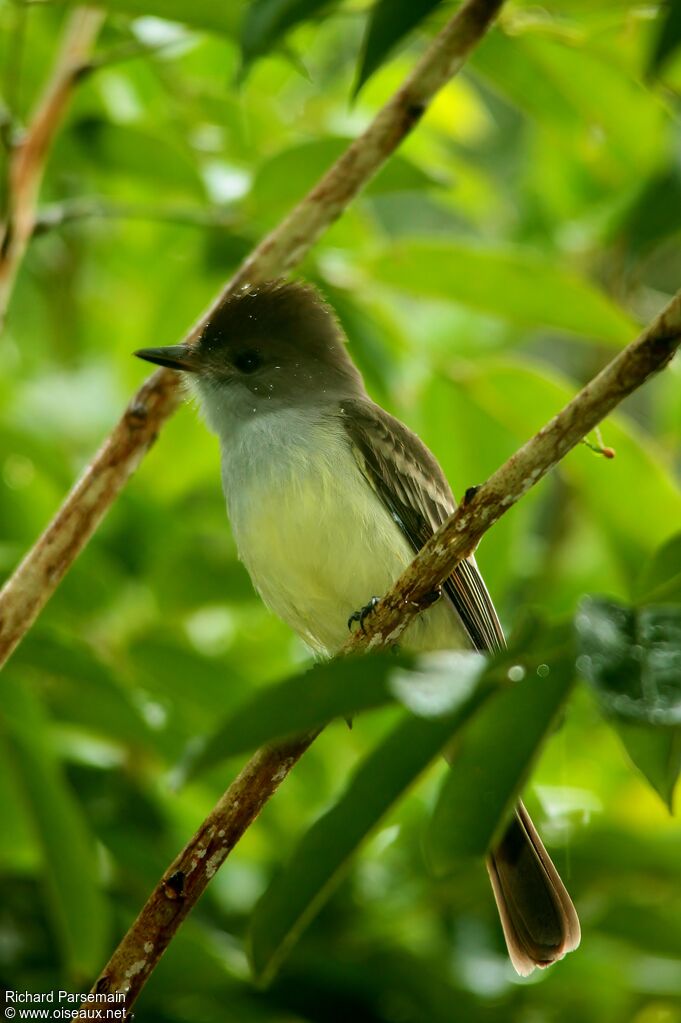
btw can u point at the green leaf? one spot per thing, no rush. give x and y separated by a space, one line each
288 175
668 38
656 753
565 88
655 929
135 154
201 14
338 688
268 21
341 688
510 283
655 212
76 902
19 850
660 580
493 755
631 657
521 395
381 779
389 22
71 674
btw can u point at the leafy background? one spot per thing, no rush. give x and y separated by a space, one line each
518 239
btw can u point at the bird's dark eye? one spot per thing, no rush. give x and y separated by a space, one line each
248 362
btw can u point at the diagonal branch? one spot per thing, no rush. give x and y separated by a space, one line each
57 215
28 590
29 155
458 537
187 877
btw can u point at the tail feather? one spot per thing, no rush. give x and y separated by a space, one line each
537 915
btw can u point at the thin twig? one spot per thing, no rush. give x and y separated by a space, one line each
56 215
36 578
189 874
29 154
132 50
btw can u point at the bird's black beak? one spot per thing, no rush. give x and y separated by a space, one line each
184 357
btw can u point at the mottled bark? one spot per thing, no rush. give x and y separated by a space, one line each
188 875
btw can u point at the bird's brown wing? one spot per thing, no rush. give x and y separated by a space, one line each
539 921
410 483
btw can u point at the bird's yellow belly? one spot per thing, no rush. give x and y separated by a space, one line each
319 545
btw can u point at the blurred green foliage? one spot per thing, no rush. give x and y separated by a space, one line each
523 231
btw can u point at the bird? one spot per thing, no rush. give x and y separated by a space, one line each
329 498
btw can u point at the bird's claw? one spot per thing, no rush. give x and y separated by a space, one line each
363 613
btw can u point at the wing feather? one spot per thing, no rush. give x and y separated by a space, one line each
410 483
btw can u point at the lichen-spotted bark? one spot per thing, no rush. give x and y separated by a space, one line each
188 875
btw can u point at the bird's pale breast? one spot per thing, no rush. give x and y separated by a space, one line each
315 538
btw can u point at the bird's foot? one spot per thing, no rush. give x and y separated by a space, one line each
363 613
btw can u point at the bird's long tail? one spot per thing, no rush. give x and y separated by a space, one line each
539 921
